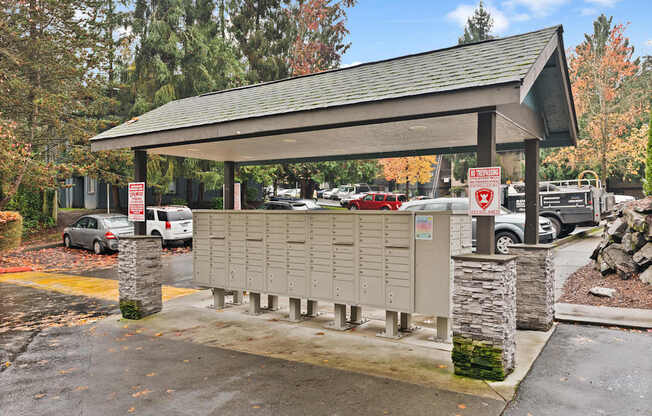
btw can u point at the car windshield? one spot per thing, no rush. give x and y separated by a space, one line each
310 204
178 215
117 222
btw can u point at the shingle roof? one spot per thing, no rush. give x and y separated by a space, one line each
480 64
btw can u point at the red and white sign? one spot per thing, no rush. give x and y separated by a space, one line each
236 196
137 201
484 191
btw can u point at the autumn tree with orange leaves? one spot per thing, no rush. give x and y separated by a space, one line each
601 68
409 169
319 42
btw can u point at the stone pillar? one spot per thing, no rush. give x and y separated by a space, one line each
139 271
484 315
218 298
272 302
535 286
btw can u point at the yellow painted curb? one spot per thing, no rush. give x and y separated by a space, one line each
94 287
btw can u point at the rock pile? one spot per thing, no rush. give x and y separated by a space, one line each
626 246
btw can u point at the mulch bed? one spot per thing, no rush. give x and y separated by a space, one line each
61 259
631 293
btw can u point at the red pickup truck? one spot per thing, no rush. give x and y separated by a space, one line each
378 200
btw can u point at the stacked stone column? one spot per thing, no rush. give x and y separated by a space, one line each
535 286
139 270
484 315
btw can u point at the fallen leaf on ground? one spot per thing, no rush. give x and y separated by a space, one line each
7 364
141 393
151 374
131 410
81 388
168 391
320 333
255 406
39 396
186 361
442 366
158 334
461 406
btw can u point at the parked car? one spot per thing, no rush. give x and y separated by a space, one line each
289 193
347 191
328 194
98 232
291 204
172 223
509 228
320 192
378 200
346 202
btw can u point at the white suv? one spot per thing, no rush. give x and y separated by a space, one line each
173 223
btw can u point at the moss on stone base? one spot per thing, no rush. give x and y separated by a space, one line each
11 230
478 359
131 309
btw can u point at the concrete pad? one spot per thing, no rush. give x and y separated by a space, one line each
571 256
413 359
604 315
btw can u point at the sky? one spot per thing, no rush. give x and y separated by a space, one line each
381 29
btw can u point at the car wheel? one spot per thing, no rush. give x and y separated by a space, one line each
353 207
66 241
556 224
384 209
567 229
504 239
97 247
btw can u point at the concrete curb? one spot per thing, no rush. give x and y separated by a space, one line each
581 234
604 315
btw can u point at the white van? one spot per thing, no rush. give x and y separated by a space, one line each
173 223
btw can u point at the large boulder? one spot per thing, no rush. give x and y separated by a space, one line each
643 206
632 241
643 257
636 221
646 276
618 260
616 230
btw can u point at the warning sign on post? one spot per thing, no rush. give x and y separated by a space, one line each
137 201
484 191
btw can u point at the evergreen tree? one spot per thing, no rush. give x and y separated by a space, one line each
478 26
648 162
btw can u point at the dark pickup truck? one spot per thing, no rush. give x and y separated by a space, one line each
567 204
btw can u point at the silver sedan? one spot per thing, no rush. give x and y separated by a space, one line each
98 232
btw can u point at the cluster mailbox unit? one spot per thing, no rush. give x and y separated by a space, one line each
397 261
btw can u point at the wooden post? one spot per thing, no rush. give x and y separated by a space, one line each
486 154
532 191
229 181
140 175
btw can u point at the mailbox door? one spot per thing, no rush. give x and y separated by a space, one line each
277 282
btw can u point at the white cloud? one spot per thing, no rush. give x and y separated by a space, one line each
649 42
588 11
603 3
523 17
539 8
462 13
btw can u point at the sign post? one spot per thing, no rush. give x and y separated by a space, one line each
137 201
484 191
236 196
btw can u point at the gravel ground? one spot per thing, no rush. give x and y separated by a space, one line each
631 293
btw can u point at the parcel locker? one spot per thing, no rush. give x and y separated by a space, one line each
359 258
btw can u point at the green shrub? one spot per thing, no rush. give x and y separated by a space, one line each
218 203
647 187
179 201
30 205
